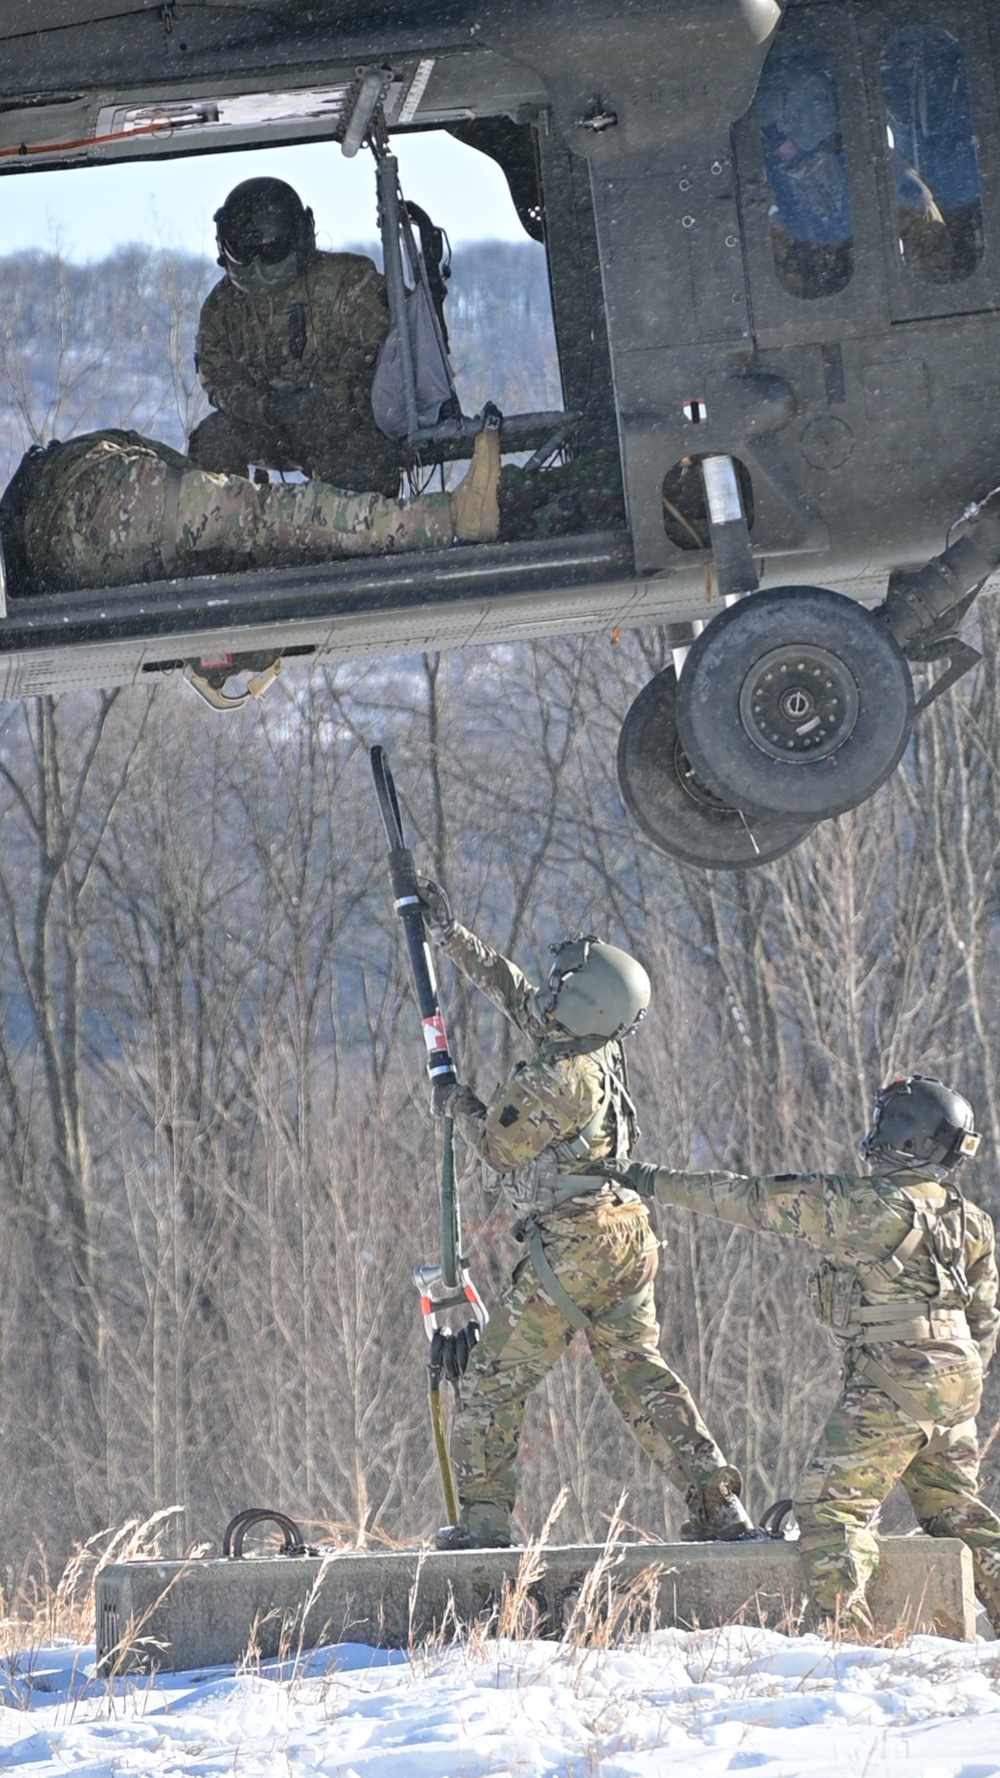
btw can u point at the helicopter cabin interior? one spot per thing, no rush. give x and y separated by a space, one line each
770 236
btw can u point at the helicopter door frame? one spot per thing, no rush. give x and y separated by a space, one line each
912 297
780 317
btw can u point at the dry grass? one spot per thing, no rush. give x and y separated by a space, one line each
609 1609
37 1609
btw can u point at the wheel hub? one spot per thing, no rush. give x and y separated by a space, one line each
693 787
799 703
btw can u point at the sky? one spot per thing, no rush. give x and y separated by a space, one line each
673 1704
88 211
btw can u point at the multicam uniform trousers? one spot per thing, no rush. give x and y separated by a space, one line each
605 1256
868 1444
120 513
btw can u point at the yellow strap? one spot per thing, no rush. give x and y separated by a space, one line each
444 1460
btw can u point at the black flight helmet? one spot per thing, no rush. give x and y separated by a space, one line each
265 235
919 1123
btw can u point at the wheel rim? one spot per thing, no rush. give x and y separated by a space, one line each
799 703
795 701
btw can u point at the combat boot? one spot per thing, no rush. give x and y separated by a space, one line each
480 1527
717 1512
475 504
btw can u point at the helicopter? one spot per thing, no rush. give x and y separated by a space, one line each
771 235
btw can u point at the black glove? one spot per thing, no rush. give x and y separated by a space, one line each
436 907
442 1094
289 407
450 1348
639 1176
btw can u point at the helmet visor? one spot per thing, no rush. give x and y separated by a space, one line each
270 240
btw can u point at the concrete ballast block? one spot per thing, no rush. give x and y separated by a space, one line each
206 1612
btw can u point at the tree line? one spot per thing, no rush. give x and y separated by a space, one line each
218 1165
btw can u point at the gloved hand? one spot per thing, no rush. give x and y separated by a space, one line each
639 1176
442 1094
290 407
450 1348
436 907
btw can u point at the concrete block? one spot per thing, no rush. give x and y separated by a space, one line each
206 1612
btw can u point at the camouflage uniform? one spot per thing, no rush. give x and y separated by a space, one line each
908 1285
321 332
594 1248
114 509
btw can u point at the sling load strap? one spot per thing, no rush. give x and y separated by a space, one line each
443 1457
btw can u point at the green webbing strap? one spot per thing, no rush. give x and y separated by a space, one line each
897 1392
548 1280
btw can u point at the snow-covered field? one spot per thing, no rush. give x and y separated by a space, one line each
704 1703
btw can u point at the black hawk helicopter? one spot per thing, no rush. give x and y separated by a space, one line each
773 243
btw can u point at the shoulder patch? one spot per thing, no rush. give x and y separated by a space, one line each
509 1115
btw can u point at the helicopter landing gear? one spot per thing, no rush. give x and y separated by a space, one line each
796 702
671 805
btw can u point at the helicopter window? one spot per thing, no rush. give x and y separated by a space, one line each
798 111
931 149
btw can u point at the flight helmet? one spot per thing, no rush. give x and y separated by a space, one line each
919 1122
265 235
594 990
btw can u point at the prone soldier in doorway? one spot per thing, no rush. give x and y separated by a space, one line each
287 346
554 1131
115 509
907 1285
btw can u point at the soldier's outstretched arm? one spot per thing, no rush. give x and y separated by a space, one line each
816 1207
499 979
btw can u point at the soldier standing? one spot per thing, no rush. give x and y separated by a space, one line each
115 509
552 1131
286 349
907 1285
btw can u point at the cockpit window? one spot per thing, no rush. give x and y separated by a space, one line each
798 111
932 154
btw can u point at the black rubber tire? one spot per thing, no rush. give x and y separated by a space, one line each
731 718
676 813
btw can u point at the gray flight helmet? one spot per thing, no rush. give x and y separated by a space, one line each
918 1122
594 990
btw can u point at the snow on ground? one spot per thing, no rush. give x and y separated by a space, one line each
672 1703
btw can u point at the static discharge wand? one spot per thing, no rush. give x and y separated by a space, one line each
445 1285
